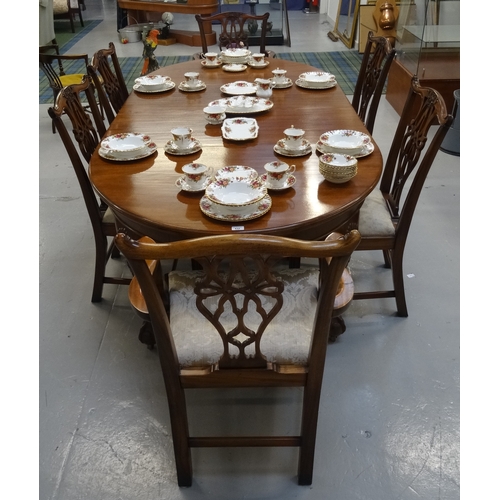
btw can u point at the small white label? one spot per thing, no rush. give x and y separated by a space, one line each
238 228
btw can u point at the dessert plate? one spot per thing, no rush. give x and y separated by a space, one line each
220 212
286 85
173 149
234 68
205 64
236 172
365 151
167 86
291 180
186 88
304 149
149 150
239 88
243 104
240 129
182 184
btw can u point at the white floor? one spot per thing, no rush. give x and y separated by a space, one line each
389 418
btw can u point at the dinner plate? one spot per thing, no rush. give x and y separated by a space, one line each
243 104
220 212
236 172
255 65
173 149
234 68
186 88
305 85
239 88
150 149
291 180
125 145
204 63
367 150
240 129
168 86
304 149
182 184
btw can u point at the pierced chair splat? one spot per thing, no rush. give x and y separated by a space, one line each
239 323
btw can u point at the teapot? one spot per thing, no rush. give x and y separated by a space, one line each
264 87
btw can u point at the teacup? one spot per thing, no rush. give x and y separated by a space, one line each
196 174
182 136
279 76
278 173
215 114
211 58
293 137
258 58
192 79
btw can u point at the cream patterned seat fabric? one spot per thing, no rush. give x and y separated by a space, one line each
286 339
374 216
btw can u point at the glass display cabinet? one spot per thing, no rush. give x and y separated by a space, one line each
427 45
278 29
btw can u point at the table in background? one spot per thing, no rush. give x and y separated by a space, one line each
143 194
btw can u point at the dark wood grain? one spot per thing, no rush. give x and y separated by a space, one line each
143 194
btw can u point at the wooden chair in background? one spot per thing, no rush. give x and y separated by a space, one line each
238 323
377 60
68 9
385 216
233 30
87 133
107 76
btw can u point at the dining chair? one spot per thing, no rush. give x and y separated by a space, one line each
377 60
67 9
386 214
245 320
233 32
52 63
107 76
87 133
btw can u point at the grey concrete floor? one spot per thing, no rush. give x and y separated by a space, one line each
389 416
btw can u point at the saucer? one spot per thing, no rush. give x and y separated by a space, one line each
253 64
173 149
288 184
168 86
367 150
217 64
288 83
182 184
151 148
234 68
303 150
220 212
186 88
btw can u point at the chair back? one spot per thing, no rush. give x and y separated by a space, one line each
410 154
108 79
377 60
233 32
238 295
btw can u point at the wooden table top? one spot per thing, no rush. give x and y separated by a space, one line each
143 194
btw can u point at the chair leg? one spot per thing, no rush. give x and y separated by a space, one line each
100 269
398 281
387 258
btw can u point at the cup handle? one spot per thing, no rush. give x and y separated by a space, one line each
210 171
291 170
273 84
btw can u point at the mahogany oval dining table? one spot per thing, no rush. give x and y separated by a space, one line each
146 201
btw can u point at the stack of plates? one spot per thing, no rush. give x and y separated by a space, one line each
234 56
348 142
153 83
316 80
338 168
126 146
235 198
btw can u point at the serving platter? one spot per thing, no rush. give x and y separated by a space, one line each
243 104
239 87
